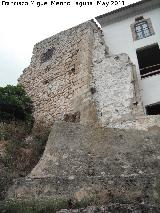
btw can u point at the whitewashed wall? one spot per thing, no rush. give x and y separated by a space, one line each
118 38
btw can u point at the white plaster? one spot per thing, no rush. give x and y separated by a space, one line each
112 79
151 89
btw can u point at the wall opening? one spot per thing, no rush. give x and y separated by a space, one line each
149 60
74 118
153 109
47 55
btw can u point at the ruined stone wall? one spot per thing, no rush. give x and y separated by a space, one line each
116 91
58 78
114 94
72 77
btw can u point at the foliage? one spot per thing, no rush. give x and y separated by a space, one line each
43 206
20 158
21 144
5 181
14 130
35 206
40 133
15 104
23 148
11 158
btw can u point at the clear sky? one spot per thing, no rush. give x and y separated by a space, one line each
24 25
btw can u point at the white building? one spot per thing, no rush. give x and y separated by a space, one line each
135 30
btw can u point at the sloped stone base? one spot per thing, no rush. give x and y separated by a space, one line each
83 162
112 208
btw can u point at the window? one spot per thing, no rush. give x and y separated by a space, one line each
149 60
142 28
153 109
47 55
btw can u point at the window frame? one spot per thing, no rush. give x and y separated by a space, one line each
140 22
142 31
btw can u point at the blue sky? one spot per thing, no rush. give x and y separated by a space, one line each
23 26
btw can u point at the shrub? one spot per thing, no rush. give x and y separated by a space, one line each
45 205
23 149
14 130
34 206
40 133
15 104
5 181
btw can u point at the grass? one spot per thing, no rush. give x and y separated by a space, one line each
43 206
36 206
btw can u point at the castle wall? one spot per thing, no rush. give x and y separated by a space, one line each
116 87
59 74
72 77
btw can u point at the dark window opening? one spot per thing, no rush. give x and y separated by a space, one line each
153 109
47 55
74 118
149 60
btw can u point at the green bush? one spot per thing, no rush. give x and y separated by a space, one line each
15 104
